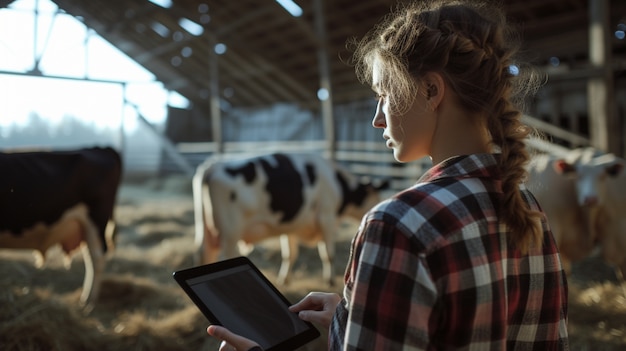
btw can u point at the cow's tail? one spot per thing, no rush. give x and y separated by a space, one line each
203 215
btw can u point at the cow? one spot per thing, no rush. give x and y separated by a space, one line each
556 195
600 186
61 197
583 196
299 197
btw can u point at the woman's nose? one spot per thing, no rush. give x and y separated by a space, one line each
379 117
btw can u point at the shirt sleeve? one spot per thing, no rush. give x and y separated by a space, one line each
392 294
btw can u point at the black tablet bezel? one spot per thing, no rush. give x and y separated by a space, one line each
182 276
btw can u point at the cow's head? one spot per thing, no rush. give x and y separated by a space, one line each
590 173
360 197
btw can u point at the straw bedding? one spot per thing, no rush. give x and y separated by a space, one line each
142 308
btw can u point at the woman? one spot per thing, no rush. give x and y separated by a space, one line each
464 259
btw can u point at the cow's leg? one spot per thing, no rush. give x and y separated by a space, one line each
207 240
289 246
92 280
199 222
244 248
209 250
93 257
229 245
326 247
326 253
47 238
110 234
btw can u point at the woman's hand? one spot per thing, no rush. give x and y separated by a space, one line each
230 340
317 307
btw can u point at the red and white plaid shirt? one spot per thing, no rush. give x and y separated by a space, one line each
431 269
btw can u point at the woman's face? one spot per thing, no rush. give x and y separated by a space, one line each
409 134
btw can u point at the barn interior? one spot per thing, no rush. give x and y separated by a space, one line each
234 58
253 54
273 56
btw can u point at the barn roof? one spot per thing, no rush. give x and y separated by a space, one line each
272 56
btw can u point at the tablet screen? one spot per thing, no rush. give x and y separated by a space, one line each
235 294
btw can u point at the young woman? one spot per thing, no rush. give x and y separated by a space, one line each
464 259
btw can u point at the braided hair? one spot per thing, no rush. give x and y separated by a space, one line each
473 48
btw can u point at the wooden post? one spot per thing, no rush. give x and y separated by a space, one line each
325 82
214 97
600 88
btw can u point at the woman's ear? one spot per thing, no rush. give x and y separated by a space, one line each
435 89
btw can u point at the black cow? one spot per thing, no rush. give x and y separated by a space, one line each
61 197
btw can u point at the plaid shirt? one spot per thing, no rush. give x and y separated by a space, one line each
430 269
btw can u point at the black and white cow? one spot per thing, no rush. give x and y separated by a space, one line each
294 196
61 197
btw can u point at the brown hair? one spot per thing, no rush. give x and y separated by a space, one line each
471 45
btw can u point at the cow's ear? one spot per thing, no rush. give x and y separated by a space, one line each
562 167
615 169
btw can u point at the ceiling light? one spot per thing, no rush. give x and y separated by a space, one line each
160 29
190 26
554 61
176 61
186 51
291 7
220 49
166 4
323 94
203 8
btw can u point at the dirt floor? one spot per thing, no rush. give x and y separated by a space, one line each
142 308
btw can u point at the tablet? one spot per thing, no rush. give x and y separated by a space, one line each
235 294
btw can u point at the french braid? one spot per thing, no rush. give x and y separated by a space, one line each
473 50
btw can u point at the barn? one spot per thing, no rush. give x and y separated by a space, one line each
258 78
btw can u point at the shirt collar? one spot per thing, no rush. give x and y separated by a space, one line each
464 166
